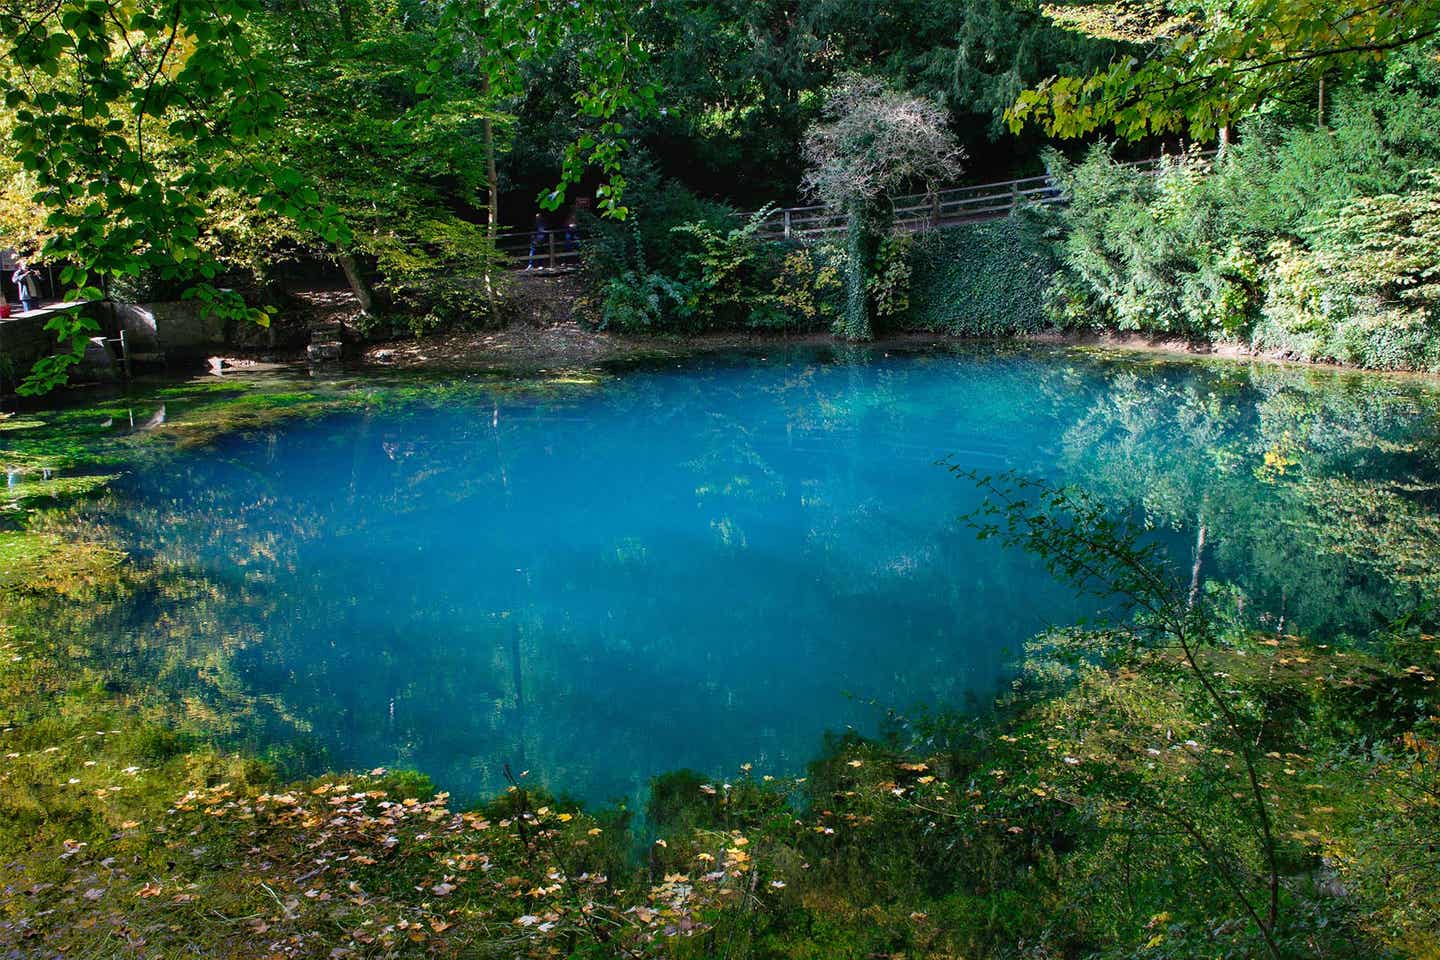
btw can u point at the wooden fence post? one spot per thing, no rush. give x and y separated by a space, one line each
787 224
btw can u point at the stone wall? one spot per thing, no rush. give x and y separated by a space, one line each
168 330
23 340
175 329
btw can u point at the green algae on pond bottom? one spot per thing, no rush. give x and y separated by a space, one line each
156 415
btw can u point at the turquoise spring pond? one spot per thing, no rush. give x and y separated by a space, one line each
712 562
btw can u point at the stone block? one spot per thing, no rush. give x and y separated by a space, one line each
174 328
330 350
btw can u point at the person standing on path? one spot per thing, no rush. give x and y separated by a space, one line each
572 232
537 240
572 224
26 286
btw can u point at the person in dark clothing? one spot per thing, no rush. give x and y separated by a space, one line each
537 240
572 234
572 224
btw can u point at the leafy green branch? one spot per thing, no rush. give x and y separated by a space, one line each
1080 541
131 118
1225 60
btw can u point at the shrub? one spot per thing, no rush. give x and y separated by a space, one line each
684 264
634 302
731 273
1364 286
436 270
717 275
889 287
1152 251
1313 241
1297 305
643 242
808 285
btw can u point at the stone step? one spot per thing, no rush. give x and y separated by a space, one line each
326 350
325 332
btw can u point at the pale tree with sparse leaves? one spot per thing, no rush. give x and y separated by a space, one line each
872 143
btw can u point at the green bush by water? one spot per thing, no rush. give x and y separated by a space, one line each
682 264
1362 286
1313 242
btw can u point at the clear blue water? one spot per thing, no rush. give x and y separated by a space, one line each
710 563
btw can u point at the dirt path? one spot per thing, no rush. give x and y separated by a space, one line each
564 344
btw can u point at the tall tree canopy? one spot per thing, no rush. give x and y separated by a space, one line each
872 143
1200 65
742 79
147 127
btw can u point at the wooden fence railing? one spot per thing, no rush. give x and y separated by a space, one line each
925 211
555 253
916 211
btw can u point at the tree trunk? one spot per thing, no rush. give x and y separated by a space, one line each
358 286
1199 560
492 202
862 244
492 212
347 20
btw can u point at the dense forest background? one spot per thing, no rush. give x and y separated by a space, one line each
239 153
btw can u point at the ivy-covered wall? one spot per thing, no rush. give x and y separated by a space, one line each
981 279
